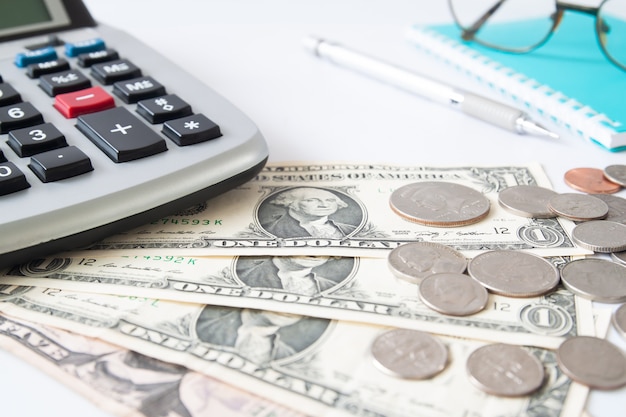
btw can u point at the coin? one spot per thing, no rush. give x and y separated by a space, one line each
619 320
453 294
527 201
619 257
513 273
594 362
505 370
590 180
617 207
616 174
439 203
409 354
600 236
595 279
416 260
580 207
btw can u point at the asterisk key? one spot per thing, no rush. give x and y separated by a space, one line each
191 125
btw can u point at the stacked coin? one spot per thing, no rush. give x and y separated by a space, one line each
453 294
439 204
595 279
592 180
415 261
514 273
527 201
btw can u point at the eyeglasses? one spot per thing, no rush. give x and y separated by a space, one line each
477 20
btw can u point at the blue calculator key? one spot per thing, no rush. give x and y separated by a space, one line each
89 45
59 164
24 59
11 178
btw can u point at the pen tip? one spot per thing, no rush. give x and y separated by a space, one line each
532 128
311 43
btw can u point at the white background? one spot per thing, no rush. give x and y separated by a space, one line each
250 52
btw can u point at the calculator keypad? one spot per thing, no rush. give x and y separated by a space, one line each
115 130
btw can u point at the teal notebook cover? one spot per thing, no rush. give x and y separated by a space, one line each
571 62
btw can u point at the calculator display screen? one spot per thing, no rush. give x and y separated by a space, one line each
24 16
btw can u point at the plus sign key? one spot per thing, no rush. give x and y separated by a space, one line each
120 135
191 130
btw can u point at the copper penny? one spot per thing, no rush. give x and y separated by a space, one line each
590 180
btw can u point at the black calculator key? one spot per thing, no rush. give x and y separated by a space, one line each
11 178
120 135
48 67
36 139
64 82
161 109
133 90
8 94
114 71
59 164
191 130
15 116
90 58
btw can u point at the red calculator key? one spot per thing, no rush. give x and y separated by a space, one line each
89 100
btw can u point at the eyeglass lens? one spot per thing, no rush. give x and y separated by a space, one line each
481 21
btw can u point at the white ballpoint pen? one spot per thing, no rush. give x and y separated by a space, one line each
483 108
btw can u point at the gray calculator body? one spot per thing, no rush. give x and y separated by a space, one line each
59 215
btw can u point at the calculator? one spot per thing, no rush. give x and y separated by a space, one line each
100 133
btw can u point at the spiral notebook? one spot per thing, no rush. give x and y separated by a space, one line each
568 80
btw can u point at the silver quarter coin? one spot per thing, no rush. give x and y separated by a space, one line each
600 236
409 354
617 207
439 203
579 207
619 320
616 174
596 279
527 201
594 362
619 257
505 370
513 273
416 260
453 294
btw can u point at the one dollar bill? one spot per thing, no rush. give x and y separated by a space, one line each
342 288
343 209
317 366
127 383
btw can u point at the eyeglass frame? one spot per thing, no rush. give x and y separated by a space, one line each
467 34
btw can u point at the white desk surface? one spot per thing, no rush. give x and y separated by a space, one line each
250 52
